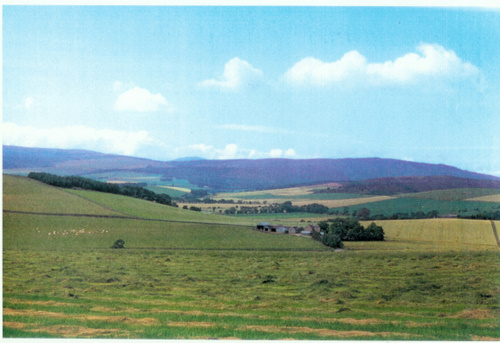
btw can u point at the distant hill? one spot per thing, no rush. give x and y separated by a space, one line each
228 175
68 162
411 184
193 158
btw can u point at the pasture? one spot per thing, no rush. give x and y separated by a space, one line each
202 280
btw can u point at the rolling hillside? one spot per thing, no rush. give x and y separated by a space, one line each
227 175
76 219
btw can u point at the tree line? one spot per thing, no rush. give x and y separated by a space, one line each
285 207
98 186
337 230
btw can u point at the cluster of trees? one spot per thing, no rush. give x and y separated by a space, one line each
337 230
191 208
488 215
98 186
364 214
286 207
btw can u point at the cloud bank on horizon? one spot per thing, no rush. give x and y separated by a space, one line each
259 90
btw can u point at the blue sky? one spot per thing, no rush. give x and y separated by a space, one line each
164 82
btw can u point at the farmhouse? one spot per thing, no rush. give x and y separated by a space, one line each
313 228
266 227
282 229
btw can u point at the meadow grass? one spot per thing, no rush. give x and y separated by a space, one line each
409 205
173 193
146 209
202 281
461 231
23 194
488 198
455 194
248 294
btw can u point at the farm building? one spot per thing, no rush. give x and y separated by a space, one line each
312 228
282 229
265 226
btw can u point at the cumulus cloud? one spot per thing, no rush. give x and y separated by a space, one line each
430 61
76 137
232 151
139 100
237 74
201 148
290 153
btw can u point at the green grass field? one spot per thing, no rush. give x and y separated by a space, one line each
408 205
203 281
23 194
453 194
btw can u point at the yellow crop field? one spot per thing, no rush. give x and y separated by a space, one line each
293 191
187 190
343 202
463 231
487 198
300 202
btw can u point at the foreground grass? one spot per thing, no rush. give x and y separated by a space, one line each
251 295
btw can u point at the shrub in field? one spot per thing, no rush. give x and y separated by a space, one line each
118 244
374 233
347 230
332 240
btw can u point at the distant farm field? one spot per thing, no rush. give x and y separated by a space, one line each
469 194
487 198
408 205
276 193
445 231
432 279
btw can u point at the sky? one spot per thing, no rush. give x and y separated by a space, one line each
221 82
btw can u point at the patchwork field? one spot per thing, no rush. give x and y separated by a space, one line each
487 198
275 193
469 194
431 279
408 205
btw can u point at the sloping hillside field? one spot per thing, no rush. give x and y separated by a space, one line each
185 274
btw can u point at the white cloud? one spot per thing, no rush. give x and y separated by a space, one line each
315 72
432 61
201 148
290 153
237 74
28 103
275 153
140 100
76 137
230 152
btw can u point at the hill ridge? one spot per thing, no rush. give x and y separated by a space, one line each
228 175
